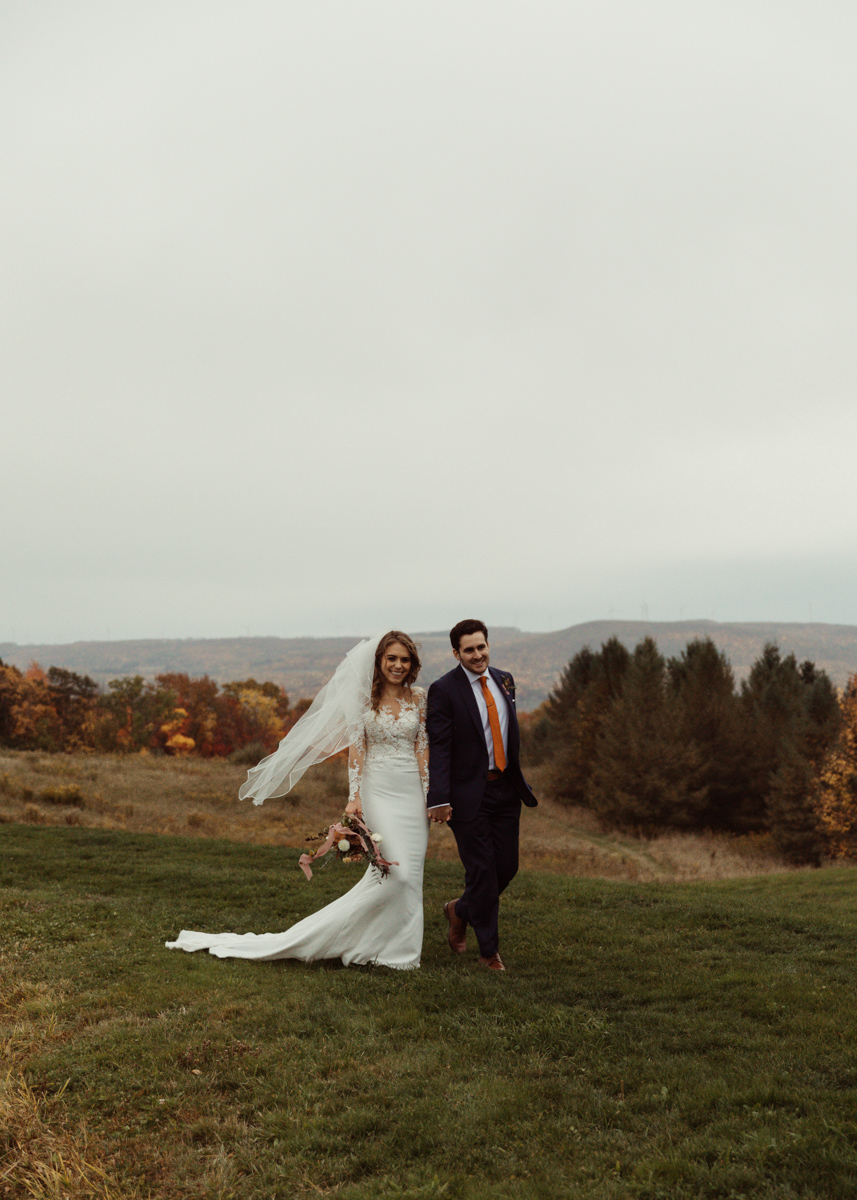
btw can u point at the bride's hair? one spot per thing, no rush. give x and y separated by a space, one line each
389 639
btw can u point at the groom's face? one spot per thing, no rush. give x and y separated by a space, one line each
473 652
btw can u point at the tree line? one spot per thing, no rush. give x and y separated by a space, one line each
648 743
644 742
59 710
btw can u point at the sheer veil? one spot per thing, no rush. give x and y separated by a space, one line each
331 723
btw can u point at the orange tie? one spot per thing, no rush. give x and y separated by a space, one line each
494 722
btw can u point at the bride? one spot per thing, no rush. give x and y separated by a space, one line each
372 707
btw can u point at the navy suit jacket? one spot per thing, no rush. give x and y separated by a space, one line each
458 755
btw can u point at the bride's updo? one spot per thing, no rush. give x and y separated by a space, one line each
389 639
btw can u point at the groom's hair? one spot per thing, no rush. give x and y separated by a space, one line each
463 628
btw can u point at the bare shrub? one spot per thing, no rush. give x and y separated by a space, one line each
249 755
69 794
62 768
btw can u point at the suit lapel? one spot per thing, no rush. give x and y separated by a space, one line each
466 687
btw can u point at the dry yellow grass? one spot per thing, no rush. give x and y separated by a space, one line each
45 1157
199 798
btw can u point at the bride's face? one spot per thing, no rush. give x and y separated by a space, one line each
395 663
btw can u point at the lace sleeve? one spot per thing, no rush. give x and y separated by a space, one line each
356 759
421 746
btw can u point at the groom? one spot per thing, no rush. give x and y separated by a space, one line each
475 783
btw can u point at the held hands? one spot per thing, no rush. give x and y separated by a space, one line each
440 815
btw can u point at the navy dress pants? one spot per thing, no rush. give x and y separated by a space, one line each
488 848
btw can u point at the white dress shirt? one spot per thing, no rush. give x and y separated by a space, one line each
502 712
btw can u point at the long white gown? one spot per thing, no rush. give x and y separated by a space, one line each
381 919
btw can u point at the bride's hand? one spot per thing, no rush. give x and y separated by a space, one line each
354 808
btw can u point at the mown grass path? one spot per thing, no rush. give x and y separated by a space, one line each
649 1041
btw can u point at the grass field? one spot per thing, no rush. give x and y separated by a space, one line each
199 798
649 1040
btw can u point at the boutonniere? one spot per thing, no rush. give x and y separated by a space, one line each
508 687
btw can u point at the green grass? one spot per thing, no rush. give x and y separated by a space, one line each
649 1041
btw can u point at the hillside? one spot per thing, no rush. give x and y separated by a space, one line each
302 665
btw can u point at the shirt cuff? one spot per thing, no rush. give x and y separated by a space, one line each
431 807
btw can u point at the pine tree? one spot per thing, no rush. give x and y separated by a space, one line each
795 825
710 718
73 697
772 703
646 775
587 690
793 719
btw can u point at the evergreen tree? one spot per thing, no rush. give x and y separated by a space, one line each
792 714
73 697
587 690
823 711
646 775
772 703
795 825
709 717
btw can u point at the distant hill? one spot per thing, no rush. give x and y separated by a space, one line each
301 665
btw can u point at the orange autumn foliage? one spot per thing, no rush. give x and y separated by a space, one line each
57 710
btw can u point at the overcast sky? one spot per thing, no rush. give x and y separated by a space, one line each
322 317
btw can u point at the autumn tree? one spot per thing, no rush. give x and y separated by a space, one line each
272 690
835 784
212 720
264 711
192 723
10 682
129 716
28 715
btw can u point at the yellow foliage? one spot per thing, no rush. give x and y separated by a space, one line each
836 784
262 712
207 726
178 719
180 744
177 741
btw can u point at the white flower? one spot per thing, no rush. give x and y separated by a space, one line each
377 837
343 844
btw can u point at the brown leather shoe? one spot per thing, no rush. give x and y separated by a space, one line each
494 963
457 936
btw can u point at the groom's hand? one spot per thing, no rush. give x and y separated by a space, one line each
443 813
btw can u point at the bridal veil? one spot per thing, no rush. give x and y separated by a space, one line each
331 723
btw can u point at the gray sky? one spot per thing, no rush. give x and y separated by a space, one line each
317 318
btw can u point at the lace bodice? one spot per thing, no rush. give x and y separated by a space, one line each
389 734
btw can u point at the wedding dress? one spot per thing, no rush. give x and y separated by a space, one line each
381 919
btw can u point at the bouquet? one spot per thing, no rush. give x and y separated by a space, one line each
352 841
